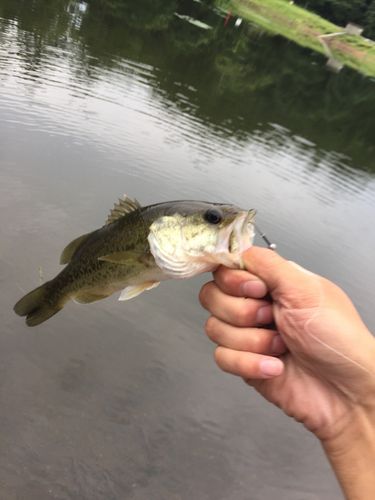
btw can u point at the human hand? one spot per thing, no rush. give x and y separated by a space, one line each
324 375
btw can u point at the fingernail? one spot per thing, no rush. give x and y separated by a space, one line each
271 367
264 316
278 346
255 289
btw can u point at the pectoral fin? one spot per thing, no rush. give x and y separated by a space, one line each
127 258
88 298
132 291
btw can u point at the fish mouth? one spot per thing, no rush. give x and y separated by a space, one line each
242 234
245 235
249 219
178 258
236 239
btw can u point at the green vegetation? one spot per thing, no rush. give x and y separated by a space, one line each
361 12
304 27
234 81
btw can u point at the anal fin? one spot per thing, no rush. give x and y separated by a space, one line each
132 291
88 298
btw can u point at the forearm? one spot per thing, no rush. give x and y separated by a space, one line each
352 456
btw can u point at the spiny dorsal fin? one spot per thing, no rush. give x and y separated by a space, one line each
124 207
69 251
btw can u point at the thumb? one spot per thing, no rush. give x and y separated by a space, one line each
283 278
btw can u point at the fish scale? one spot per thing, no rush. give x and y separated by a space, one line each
137 248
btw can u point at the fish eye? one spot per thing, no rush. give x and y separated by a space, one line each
213 216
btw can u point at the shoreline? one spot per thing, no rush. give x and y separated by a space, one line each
304 27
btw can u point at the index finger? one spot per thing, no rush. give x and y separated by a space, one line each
231 282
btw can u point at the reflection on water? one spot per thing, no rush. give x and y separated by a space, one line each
123 400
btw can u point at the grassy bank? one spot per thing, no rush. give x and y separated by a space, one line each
304 27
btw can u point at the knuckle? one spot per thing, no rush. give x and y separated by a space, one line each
211 329
229 361
239 367
205 294
257 342
219 356
226 277
244 314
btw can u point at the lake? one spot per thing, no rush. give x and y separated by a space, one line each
123 400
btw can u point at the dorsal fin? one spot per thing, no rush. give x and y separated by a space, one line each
69 251
124 207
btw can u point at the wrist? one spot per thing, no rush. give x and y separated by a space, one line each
352 455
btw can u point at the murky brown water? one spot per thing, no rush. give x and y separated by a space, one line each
123 400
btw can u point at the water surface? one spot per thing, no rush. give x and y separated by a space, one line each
123 400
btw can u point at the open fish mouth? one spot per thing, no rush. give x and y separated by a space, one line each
249 220
242 232
139 247
181 252
242 236
235 240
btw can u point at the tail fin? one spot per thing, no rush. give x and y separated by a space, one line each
36 306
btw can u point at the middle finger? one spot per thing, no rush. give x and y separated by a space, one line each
237 311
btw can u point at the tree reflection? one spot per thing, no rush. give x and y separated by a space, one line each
241 77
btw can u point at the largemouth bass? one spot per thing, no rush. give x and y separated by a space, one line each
139 247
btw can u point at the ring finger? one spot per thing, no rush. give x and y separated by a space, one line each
256 340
